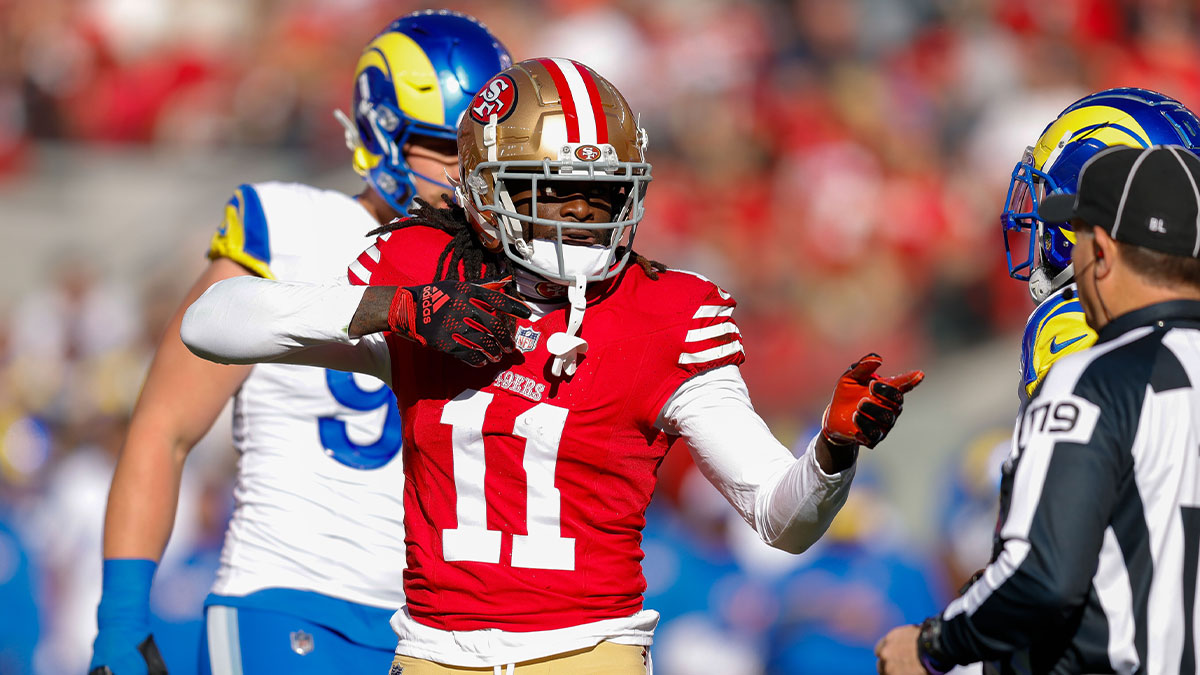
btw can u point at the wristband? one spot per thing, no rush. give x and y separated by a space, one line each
929 647
125 598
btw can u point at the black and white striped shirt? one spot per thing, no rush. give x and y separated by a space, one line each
1098 544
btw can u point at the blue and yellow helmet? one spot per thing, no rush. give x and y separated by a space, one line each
1123 116
414 79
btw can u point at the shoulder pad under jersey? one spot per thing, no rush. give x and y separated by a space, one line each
243 235
402 257
1056 328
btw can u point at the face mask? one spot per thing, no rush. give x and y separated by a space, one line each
585 260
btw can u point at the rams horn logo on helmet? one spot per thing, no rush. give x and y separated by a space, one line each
587 153
498 97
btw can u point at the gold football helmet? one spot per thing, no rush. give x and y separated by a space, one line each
551 119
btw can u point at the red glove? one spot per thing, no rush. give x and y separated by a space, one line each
865 406
471 322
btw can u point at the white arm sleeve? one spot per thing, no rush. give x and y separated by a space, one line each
789 501
254 320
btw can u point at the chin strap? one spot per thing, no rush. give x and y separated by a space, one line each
567 346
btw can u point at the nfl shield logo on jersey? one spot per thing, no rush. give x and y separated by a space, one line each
302 643
527 339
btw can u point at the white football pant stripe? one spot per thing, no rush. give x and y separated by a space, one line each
224 648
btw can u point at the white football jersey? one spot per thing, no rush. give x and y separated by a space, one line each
319 494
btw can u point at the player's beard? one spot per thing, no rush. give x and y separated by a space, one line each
585 260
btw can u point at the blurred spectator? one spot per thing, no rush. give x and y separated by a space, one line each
65 339
970 509
836 131
715 612
66 524
855 582
21 620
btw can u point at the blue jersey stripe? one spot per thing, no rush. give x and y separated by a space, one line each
1069 306
254 224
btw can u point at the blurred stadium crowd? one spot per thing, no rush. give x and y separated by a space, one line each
838 165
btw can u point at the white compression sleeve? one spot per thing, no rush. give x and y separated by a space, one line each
790 502
253 320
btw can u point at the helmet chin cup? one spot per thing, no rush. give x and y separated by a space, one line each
1040 287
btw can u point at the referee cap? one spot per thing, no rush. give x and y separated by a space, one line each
1147 197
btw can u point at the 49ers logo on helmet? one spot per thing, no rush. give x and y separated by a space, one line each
498 97
587 153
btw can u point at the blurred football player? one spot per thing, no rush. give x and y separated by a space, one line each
1039 252
311 568
534 427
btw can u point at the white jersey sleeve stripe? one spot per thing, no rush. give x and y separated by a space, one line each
711 354
712 311
713 331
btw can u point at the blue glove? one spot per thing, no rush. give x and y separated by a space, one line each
123 644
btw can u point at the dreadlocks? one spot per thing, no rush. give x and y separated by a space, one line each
650 267
478 264
464 249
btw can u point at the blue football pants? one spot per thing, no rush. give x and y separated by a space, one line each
239 641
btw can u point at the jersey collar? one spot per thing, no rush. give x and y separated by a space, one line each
1173 312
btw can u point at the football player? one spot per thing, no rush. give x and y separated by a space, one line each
310 571
534 426
1039 252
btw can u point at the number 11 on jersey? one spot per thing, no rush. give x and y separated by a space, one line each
541 426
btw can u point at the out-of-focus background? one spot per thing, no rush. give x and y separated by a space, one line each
839 165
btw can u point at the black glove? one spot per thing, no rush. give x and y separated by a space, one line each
471 322
154 660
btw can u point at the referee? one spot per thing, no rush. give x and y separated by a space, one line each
1096 553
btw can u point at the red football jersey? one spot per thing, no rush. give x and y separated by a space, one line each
525 494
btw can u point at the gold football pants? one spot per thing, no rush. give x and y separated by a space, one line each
606 658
